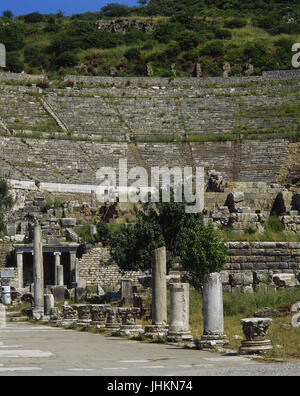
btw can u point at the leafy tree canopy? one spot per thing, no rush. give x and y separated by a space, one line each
166 224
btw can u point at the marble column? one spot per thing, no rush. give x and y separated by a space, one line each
60 275
180 313
73 265
213 317
20 269
159 295
38 272
48 303
56 265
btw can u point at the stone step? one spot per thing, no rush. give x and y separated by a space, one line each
18 319
10 314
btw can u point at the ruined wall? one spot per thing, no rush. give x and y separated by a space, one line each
251 266
260 265
6 246
94 270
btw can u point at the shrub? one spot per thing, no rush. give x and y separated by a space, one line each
274 224
69 83
14 63
165 31
214 48
235 23
52 27
254 52
43 84
132 54
251 230
223 34
34 17
187 39
51 204
34 55
7 14
67 59
236 70
285 43
114 10
134 36
12 36
149 45
170 52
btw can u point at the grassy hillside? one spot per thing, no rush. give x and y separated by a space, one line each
204 32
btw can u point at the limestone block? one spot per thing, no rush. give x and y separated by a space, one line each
68 222
262 277
284 280
236 279
247 290
238 196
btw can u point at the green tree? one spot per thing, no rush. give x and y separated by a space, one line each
113 10
67 59
33 17
12 36
7 14
6 202
167 224
201 254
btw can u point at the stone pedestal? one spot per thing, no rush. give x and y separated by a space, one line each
70 315
255 330
98 314
48 303
213 334
84 314
113 323
179 315
159 295
129 317
126 291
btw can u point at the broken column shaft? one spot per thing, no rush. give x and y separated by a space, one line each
38 271
159 294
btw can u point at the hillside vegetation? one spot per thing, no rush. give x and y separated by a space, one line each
185 32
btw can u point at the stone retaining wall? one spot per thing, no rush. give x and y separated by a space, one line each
254 265
251 266
93 269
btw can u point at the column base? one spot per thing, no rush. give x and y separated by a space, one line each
179 336
156 331
84 322
112 327
37 313
131 330
254 347
68 322
98 323
212 341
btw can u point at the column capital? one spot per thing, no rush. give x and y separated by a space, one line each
57 253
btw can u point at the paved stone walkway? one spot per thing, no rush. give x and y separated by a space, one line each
49 351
